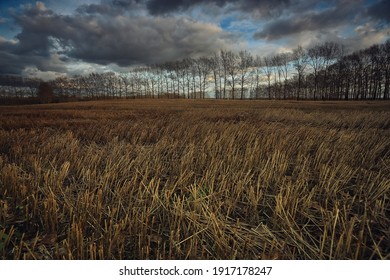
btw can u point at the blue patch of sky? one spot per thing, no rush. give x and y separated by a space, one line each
243 27
225 23
348 31
4 4
324 5
236 24
7 28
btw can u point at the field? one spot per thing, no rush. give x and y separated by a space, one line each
195 179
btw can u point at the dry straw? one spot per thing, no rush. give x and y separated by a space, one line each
182 179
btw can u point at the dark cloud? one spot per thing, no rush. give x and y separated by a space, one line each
165 6
105 39
112 7
158 7
380 10
126 41
10 63
94 9
130 32
31 47
290 26
301 21
15 64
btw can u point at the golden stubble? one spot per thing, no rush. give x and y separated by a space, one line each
186 179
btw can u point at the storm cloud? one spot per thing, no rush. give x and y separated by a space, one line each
157 7
104 39
380 10
123 33
301 21
126 41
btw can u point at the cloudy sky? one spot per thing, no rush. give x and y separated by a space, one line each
51 37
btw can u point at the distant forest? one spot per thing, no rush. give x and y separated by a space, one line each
322 72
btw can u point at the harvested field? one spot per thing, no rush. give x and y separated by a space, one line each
195 179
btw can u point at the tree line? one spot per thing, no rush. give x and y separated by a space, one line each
321 72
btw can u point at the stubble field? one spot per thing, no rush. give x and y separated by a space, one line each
195 179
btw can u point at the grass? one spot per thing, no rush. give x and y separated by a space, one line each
195 179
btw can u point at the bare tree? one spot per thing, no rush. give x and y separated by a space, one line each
258 64
316 60
331 52
245 61
205 66
225 67
215 64
386 60
187 75
232 69
285 59
268 73
299 57
278 69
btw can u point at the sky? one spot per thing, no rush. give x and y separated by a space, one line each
48 39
